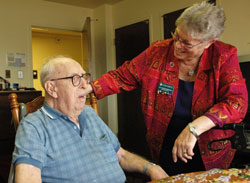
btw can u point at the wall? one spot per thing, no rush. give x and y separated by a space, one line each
101 27
17 17
237 24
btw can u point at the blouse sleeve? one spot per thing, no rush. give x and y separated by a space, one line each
231 93
125 78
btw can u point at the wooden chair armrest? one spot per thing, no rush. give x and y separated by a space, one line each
14 109
93 102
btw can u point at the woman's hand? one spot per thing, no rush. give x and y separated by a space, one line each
88 89
185 142
184 145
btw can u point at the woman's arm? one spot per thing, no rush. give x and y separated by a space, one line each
185 142
230 106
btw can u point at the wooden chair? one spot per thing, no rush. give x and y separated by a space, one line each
19 110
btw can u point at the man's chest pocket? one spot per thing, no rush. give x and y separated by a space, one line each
101 148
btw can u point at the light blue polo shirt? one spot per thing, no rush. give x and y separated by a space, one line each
50 141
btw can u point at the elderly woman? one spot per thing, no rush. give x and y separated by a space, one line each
190 84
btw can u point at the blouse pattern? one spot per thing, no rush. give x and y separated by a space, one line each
219 93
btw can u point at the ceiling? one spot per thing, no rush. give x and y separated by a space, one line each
86 3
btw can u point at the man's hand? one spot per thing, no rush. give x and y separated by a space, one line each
134 163
156 172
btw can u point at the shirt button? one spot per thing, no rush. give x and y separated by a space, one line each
171 64
203 152
208 166
75 127
194 116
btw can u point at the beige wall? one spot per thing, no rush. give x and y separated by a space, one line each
16 19
98 28
103 56
237 30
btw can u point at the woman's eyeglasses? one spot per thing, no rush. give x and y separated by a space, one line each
184 44
76 79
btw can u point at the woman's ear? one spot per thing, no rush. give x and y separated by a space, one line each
51 88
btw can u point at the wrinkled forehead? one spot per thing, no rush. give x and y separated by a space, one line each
68 68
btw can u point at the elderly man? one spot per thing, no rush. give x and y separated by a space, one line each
66 141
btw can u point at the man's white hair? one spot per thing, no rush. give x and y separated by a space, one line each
49 68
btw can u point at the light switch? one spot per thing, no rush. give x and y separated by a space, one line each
7 73
20 74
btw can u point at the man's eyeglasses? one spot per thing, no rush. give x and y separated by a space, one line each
185 44
76 79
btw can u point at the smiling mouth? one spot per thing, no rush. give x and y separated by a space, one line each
82 96
180 51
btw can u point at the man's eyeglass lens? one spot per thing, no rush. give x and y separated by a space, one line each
76 79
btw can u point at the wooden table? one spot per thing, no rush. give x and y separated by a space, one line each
210 176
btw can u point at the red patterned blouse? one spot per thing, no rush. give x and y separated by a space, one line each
219 93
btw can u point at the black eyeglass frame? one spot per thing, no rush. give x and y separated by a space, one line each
176 38
84 76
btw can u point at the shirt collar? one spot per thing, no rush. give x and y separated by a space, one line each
51 112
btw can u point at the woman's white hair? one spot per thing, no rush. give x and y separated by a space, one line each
48 69
203 21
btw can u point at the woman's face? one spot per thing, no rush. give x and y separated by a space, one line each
186 48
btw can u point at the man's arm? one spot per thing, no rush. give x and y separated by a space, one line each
134 163
27 173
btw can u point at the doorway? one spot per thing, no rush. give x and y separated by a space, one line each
47 43
130 41
169 22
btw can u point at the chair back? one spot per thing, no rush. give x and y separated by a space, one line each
19 110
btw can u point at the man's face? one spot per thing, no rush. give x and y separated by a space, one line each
70 99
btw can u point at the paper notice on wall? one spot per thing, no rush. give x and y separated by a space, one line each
16 59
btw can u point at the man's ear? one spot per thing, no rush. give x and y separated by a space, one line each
51 88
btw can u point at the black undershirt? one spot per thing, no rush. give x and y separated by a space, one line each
181 117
